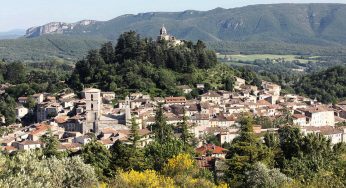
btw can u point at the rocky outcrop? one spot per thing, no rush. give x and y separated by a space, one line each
56 28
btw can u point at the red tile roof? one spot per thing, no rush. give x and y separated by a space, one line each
39 129
210 147
298 116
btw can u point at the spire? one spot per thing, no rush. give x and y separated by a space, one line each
163 30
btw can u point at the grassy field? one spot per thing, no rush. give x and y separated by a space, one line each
253 57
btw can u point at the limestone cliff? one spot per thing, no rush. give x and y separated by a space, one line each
57 28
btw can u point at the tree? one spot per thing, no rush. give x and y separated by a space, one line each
125 157
163 131
290 138
31 103
134 133
7 109
158 153
186 136
107 53
15 72
245 151
261 176
229 84
29 169
50 145
271 140
95 154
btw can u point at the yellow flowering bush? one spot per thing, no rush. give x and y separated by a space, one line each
182 163
148 178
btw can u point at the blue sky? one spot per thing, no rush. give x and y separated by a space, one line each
26 13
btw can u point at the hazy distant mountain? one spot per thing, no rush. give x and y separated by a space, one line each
318 25
12 34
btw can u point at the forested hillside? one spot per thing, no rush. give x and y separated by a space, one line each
326 86
140 64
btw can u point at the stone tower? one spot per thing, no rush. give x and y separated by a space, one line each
93 107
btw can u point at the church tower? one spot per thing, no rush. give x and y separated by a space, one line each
93 107
163 34
163 30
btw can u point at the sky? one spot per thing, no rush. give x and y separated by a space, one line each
22 14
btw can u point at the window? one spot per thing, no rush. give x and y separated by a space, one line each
92 97
92 106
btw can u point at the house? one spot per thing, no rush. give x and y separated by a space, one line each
211 150
22 100
146 136
107 97
21 111
136 103
9 149
200 86
38 97
299 119
227 136
271 88
186 89
69 146
108 132
318 115
211 97
7 141
334 134
28 145
221 121
107 142
40 130
238 83
67 96
2 119
47 110
175 100
82 139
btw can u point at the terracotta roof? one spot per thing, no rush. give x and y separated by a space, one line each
263 103
39 129
175 99
298 116
211 94
60 119
324 130
30 142
9 148
108 130
318 108
210 147
68 146
106 141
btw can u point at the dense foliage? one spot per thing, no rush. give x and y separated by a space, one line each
31 169
287 159
142 64
326 86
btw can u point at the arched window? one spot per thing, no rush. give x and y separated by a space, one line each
92 106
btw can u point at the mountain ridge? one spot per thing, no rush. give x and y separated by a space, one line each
319 25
